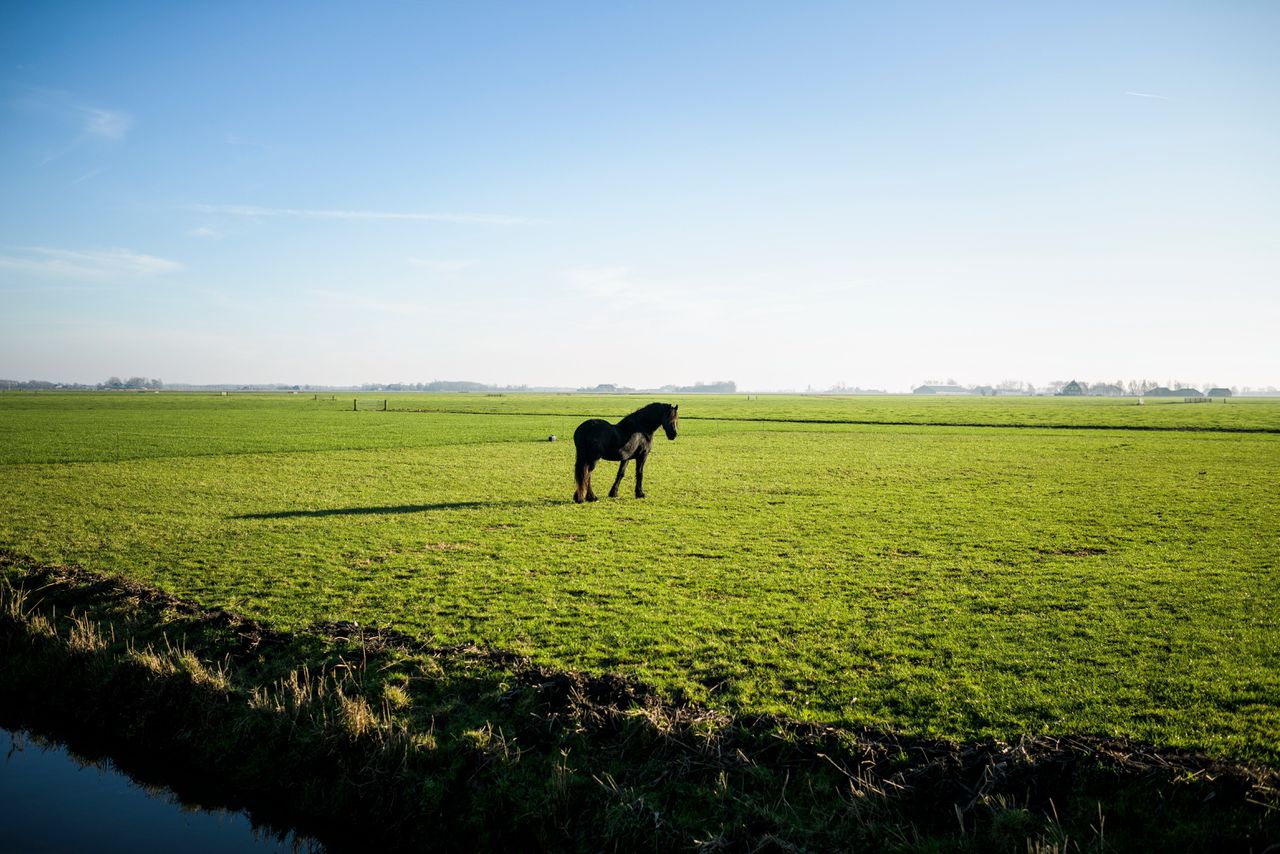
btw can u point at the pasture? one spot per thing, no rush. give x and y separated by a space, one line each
962 568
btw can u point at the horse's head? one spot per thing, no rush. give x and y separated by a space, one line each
672 422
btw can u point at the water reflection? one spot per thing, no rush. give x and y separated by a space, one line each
52 800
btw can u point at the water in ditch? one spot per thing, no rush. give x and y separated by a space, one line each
51 800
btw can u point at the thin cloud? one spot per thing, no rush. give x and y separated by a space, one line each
692 301
103 123
254 211
91 174
87 264
603 282
364 302
237 139
442 266
1149 95
92 121
205 232
620 288
249 145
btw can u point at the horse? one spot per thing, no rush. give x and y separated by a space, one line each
629 439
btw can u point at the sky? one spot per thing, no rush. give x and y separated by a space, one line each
788 195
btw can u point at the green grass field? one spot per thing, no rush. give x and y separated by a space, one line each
845 560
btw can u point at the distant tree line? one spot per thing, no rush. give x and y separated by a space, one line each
841 388
717 387
1115 388
109 383
440 385
131 383
608 388
1129 388
40 385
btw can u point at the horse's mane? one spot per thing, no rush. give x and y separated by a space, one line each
646 419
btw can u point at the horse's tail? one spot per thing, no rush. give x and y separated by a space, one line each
581 471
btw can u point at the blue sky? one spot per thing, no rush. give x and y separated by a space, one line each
787 195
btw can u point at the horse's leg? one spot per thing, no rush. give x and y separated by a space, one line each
622 469
640 458
591 496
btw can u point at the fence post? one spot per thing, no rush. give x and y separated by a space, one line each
353 406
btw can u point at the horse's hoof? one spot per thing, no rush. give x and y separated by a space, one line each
613 493
591 497
639 495
577 499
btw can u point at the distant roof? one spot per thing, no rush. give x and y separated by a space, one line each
1173 392
941 389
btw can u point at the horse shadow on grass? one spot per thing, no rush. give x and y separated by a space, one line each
393 509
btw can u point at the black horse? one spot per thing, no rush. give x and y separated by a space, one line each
629 439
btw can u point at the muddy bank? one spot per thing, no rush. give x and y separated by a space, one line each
365 736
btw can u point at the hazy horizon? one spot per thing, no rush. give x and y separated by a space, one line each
571 194
375 386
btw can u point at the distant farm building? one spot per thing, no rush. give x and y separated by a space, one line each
1072 388
940 389
1218 392
1173 392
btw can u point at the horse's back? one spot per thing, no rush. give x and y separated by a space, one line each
591 427
593 435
